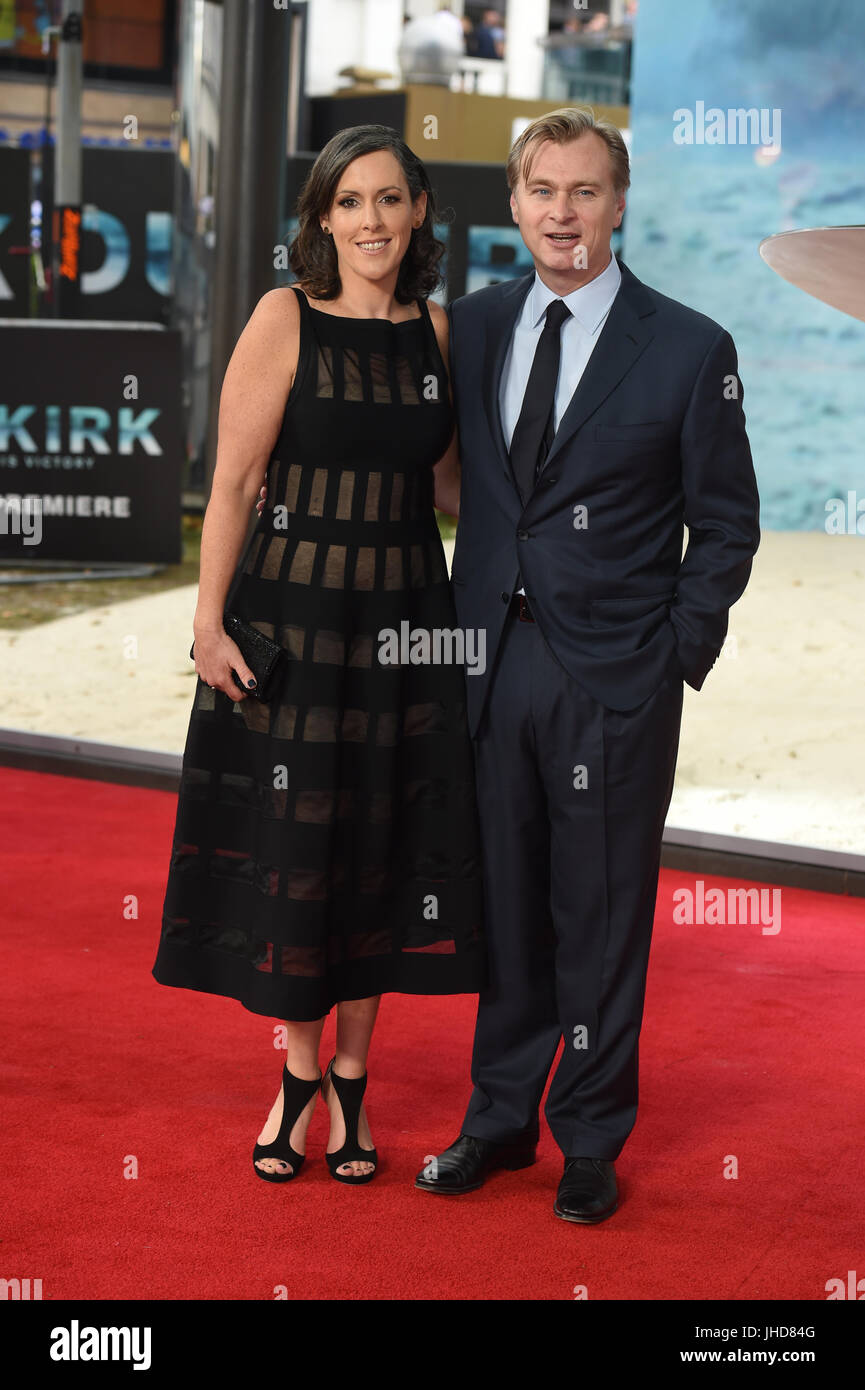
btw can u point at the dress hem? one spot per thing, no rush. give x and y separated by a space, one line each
422 974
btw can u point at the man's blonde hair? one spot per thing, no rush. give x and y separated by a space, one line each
565 124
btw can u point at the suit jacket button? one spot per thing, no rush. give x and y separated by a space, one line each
522 535
505 597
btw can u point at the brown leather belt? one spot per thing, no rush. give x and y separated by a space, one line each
520 607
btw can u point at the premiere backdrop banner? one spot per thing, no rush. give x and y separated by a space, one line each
749 124
14 233
126 231
90 443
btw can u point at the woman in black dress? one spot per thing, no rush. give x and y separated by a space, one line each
326 845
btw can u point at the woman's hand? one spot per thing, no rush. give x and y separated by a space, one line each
215 655
259 506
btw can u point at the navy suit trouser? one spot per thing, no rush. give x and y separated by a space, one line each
572 799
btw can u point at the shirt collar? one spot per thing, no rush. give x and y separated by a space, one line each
590 303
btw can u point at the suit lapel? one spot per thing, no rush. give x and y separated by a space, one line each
500 325
622 339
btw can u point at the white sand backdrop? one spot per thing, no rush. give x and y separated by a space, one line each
772 748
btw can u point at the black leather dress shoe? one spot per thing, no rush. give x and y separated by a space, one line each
469 1161
587 1191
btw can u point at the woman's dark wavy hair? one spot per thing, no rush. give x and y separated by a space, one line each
312 254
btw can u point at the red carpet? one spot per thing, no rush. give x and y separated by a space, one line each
752 1046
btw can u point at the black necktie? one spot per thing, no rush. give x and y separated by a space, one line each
535 429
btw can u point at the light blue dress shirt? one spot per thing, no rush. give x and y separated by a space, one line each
589 306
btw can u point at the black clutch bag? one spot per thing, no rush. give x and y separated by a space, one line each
265 659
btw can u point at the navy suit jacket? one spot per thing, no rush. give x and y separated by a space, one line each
653 440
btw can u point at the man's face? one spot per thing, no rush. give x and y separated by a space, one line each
568 207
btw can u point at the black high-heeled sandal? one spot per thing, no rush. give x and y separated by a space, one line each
349 1092
296 1095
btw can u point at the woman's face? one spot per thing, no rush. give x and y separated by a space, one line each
372 216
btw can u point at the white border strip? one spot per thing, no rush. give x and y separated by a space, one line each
137 324
764 849
115 754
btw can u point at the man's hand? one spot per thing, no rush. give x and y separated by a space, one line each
259 506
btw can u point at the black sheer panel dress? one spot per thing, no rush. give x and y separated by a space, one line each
326 844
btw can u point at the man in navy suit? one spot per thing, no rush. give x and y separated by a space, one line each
596 418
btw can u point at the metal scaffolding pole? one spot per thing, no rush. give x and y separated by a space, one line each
66 238
250 177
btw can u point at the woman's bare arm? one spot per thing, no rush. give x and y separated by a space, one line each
447 471
251 407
